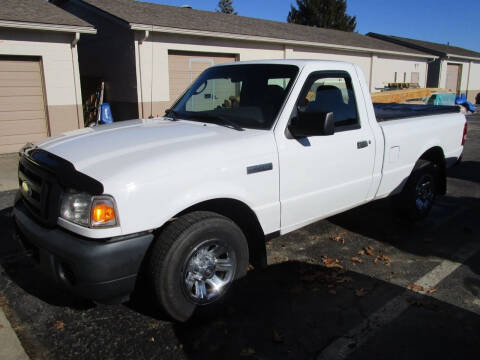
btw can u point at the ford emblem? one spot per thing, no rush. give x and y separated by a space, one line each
27 188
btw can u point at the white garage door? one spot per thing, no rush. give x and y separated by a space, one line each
185 67
22 105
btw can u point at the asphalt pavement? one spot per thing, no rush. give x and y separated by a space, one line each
365 284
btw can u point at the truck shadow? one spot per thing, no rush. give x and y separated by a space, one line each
452 224
294 310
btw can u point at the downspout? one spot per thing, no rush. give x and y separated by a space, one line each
468 79
372 60
75 39
76 81
151 84
140 41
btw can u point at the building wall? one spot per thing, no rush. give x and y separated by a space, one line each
152 62
363 60
386 66
473 93
60 70
469 85
107 56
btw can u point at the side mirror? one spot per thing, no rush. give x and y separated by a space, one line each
307 124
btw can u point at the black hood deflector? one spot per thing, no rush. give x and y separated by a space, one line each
66 174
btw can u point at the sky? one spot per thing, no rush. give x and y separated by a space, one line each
439 21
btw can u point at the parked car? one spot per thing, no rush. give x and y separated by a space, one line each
251 151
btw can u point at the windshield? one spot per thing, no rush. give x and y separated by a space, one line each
247 96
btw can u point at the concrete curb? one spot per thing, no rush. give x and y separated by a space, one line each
10 346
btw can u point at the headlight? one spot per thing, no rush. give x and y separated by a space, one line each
87 210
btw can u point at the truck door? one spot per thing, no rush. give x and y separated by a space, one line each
324 175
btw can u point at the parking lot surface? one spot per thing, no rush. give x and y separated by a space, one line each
365 284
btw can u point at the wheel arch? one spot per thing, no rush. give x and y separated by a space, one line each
436 155
241 214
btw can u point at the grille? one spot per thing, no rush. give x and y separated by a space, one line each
40 191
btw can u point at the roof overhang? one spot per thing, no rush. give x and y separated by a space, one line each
470 58
178 31
47 27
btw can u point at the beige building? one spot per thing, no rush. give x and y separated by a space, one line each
40 91
147 54
455 68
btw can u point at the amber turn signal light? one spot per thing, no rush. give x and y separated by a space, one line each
103 213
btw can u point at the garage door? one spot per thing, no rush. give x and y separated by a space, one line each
453 77
22 106
185 67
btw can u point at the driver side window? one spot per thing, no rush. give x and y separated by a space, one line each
327 92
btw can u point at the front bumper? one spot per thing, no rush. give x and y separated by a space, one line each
103 271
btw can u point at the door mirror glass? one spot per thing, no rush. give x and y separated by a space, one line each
307 124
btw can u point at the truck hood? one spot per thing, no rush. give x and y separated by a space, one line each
103 151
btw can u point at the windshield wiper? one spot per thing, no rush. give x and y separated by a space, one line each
172 114
216 119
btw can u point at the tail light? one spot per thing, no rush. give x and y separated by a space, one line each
464 138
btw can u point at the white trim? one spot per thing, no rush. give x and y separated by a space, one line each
443 62
48 27
468 79
76 83
171 30
372 67
453 56
76 39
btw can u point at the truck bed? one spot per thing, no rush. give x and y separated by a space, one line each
386 112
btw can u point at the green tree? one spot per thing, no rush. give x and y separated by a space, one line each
329 14
226 7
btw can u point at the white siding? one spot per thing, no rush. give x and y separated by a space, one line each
55 50
470 86
152 60
60 70
386 67
364 61
475 76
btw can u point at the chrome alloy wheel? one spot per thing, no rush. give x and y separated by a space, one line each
208 271
424 193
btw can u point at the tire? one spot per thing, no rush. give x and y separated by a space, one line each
417 197
194 260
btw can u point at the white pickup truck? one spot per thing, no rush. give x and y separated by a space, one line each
252 150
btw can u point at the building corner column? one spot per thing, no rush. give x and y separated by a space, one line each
468 78
373 60
76 81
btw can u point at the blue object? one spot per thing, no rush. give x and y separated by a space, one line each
442 99
462 100
106 114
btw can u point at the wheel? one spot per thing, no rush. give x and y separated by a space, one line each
418 195
194 260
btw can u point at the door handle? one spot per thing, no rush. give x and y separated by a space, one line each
362 144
